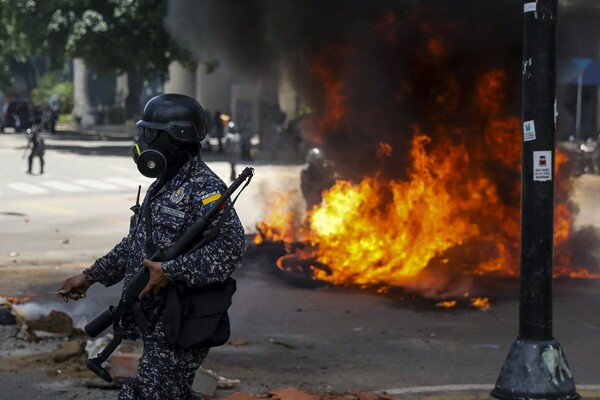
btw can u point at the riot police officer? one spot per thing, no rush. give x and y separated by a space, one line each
170 133
316 176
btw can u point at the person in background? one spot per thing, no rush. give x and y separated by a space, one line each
244 130
316 176
218 129
232 143
38 148
53 111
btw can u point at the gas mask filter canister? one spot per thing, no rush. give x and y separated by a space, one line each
149 155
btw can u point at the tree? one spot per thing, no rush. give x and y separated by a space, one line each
51 84
111 36
20 39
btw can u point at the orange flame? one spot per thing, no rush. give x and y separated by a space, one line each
386 232
281 222
335 98
384 150
446 304
368 242
452 217
482 303
18 300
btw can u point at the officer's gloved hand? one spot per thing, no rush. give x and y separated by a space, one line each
74 288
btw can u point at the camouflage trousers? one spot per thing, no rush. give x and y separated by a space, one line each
165 372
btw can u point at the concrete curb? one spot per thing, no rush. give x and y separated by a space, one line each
468 392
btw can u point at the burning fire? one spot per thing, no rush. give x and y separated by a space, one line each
387 232
367 240
454 215
280 223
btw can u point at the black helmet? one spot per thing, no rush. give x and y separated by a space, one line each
179 115
316 156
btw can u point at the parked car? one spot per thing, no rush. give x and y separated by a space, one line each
17 114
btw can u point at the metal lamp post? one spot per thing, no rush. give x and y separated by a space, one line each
536 366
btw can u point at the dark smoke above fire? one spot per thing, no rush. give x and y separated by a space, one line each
418 99
396 63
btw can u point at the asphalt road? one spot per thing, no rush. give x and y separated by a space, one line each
291 332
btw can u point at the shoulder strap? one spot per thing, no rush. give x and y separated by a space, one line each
212 234
151 247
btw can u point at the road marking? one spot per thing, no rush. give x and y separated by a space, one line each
124 182
587 387
27 188
67 187
439 388
95 184
76 186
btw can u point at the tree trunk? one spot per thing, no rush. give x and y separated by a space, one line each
135 84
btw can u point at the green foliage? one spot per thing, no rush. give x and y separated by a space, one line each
50 85
111 36
22 38
66 119
116 36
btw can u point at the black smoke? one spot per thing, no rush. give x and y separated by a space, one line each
382 53
396 64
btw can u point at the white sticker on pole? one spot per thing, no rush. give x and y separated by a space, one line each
530 7
529 130
542 166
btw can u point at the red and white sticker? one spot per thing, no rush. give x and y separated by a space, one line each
542 166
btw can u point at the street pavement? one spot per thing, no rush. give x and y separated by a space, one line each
287 333
62 215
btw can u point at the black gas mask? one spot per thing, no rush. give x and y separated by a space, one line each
161 147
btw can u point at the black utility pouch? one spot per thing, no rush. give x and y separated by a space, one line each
197 317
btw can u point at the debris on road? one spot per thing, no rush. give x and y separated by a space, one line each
295 394
280 343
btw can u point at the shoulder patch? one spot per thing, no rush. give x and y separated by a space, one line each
210 197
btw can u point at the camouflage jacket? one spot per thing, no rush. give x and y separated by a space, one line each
174 207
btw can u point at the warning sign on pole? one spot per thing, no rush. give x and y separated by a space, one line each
542 166
529 130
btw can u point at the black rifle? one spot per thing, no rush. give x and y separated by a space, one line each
130 298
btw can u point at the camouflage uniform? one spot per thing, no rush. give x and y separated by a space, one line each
167 371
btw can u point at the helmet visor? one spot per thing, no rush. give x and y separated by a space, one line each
149 134
182 131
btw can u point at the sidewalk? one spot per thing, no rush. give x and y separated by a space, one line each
99 132
124 132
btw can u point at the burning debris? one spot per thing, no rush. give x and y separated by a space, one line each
433 233
430 214
417 104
